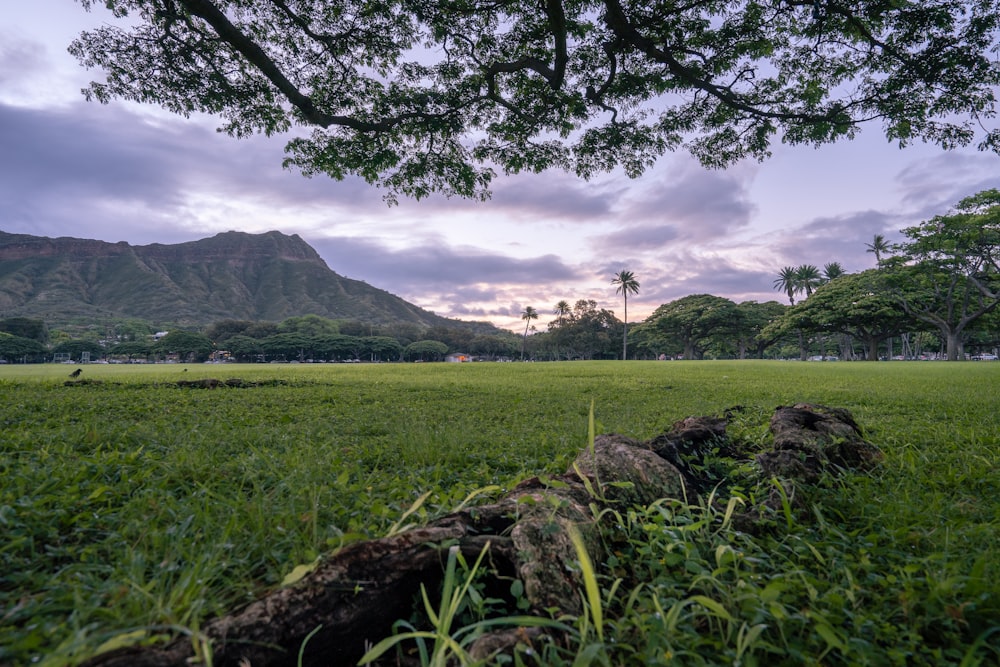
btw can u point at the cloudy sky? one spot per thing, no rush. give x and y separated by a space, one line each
123 172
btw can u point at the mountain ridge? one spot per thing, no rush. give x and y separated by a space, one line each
232 275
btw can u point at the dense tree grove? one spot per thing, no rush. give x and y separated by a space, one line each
936 293
581 332
298 339
18 349
943 280
422 96
187 345
851 305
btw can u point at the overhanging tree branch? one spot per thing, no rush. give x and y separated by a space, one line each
458 89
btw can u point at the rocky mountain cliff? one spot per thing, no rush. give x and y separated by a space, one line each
232 275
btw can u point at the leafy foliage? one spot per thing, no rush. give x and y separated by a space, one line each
427 96
25 327
947 274
686 325
853 305
754 320
426 350
582 332
18 348
188 345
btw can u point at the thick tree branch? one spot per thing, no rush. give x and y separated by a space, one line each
618 22
206 10
249 49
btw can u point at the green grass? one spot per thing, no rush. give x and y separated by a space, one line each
135 503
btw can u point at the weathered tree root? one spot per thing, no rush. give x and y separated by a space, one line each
214 383
203 383
357 593
812 439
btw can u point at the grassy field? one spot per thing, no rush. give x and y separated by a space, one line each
133 503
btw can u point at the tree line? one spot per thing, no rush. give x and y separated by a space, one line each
936 292
305 338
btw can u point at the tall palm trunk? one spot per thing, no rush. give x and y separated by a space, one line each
625 331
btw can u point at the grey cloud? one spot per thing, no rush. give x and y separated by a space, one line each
512 310
101 178
474 293
557 195
685 273
64 153
20 60
553 196
837 239
637 238
933 185
251 170
460 309
440 267
723 279
107 173
703 205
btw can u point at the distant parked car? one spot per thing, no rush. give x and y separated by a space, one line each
985 357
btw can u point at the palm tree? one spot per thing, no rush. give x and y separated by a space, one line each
562 310
878 246
808 277
529 314
832 270
788 282
627 284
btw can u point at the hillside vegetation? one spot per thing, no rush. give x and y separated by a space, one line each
233 275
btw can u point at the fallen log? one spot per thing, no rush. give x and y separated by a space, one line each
355 595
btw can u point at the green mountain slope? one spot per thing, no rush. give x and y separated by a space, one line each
232 275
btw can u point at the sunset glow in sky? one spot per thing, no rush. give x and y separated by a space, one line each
128 173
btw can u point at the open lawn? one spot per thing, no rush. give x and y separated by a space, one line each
134 503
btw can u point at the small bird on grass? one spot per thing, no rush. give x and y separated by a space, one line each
76 373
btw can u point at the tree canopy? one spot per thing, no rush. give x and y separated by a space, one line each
187 345
947 273
18 348
583 332
426 350
753 321
689 323
852 305
419 96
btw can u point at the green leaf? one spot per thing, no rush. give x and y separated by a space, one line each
299 572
